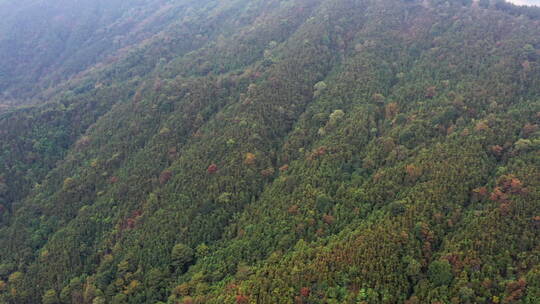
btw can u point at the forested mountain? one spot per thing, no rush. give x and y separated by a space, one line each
269 151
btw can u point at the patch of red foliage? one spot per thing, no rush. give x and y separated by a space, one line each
242 299
497 150
506 185
130 222
165 176
515 290
329 219
317 153
479 194
294 209
213 168
267 172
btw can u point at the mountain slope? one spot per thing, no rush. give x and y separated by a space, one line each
325 151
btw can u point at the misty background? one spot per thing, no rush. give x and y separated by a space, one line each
525 2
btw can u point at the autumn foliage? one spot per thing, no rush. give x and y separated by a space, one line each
165 176
278 164
413 172
249 159
213 168
515 290
242 299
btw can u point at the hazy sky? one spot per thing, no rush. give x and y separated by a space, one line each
525 2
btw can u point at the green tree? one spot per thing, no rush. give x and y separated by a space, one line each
440 273
50 297
181 256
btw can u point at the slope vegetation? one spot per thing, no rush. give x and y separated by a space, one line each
323 151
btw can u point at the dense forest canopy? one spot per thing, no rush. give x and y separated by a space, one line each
269 151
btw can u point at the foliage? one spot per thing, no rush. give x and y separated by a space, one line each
325 151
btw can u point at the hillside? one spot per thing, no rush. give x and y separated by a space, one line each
269 151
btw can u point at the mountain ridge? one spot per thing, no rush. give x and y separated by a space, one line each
334 151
